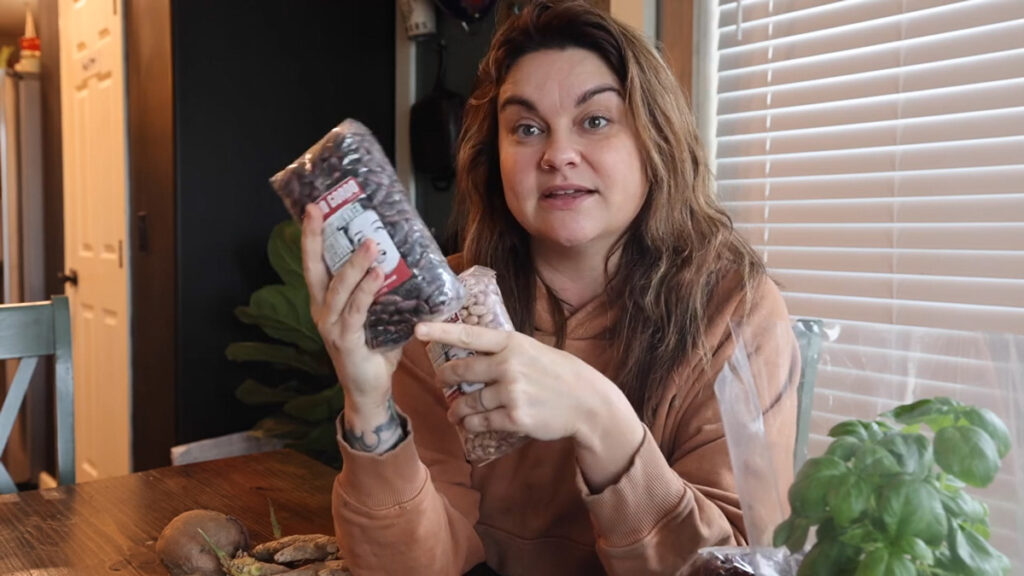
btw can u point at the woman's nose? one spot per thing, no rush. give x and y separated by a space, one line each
561 152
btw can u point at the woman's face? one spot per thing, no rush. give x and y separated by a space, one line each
570 158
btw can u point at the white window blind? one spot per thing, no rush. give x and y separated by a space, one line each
873 152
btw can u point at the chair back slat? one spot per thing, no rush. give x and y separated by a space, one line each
26 330
65 404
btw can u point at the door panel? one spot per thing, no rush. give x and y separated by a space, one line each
95 224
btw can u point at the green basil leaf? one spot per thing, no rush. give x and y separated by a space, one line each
285 252
862 535
856 429
916 549
922 410
792 533
829 557
848 499
882 562
827 530
961 505
979 528
875 461
912 452
912 509
844 448
782 532
973 555
808 496
987 421
968 453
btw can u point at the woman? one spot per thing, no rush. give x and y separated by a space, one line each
585 187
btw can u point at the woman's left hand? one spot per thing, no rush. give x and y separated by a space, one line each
533 389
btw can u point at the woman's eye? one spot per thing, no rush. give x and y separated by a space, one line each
527 130
595 122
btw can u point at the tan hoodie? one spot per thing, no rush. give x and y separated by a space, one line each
422 509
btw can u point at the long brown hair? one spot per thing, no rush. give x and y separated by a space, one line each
675 250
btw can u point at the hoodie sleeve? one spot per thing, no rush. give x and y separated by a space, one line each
413 509
679 494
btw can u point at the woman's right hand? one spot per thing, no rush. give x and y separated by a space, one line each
339 307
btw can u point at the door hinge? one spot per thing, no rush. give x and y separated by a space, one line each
120 254
115 7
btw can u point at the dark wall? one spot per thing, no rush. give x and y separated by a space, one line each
463 54
255 84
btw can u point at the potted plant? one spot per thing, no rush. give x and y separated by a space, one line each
292 372
888 500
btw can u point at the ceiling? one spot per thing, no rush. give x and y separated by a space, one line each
12 16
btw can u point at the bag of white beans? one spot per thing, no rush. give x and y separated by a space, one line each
483 307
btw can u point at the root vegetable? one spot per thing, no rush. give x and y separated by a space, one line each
185 552
298 548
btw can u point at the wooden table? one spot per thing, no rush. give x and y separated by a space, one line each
111 526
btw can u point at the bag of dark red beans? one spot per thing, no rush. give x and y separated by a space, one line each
348 175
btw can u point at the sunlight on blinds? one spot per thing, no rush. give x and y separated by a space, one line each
873 152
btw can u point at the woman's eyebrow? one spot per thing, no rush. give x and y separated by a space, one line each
600 89
514 100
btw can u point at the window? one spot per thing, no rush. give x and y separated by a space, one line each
873 152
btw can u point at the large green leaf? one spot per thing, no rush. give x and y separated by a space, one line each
285 252
845 448
972 554
963 506
882 562
792 533
282 312
281 426
912 452
923 411
318 407
911 508
809 493
916 549
988 422
848 498
253 393
317 364
829 557
968 453
874 462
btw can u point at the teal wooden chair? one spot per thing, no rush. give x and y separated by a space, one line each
809 336
29 332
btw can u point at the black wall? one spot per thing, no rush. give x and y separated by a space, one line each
255 84
465 48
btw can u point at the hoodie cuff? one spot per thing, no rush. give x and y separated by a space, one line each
627 511
381 481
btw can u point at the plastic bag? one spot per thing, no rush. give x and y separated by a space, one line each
350 177
737 561
762 499
483 307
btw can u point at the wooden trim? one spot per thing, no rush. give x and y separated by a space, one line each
675 21
150 85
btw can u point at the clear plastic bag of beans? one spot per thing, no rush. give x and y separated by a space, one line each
483 307
348 175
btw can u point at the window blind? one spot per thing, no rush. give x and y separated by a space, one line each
873 152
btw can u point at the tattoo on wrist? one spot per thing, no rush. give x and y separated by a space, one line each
382 438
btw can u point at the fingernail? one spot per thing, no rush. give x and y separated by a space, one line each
422 332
